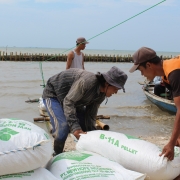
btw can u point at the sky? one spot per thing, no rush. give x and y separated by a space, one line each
58 23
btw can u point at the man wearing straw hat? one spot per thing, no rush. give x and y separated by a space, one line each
67 93
75 58
150 65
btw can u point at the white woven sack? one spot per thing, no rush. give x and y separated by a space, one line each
38 174
87 165
132 153
23 146
41 104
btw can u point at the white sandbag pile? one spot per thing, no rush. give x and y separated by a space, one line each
23 146
38 174
132 153
87 165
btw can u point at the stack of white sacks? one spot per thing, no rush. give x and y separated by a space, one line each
26 154
24 150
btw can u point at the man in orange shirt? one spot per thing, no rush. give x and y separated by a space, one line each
150 65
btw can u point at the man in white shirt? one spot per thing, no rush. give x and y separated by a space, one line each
75 58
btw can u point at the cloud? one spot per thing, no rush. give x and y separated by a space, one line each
84 3
48 1
99 3
11 1
151 2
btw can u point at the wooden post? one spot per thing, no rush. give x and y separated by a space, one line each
15 56
43 56
3 56
32 57
12 56
24 57
19 57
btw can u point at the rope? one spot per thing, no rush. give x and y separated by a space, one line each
42 75
99 35
25 148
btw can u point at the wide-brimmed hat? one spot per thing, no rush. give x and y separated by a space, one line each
115 77
81 40
142 55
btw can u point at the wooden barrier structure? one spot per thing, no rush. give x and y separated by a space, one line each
63 57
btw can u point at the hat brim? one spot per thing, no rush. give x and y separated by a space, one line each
112 83
133 68
85 42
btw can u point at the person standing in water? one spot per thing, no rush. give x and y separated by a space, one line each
75 58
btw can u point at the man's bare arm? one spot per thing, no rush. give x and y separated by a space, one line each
70 57
168 150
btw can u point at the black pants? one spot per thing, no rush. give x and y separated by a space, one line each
159 89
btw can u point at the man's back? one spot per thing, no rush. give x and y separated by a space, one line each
60 84
77 61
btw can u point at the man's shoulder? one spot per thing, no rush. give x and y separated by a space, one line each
70 55
71 52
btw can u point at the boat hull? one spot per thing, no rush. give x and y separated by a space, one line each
164 104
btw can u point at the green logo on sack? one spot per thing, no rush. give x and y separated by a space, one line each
131 137
13 119
76 156
6 133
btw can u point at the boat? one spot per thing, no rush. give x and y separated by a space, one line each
162 102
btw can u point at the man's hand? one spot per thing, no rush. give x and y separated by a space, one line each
178 142
177 178
78 132
168 151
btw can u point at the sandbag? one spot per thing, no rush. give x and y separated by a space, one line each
38 174
23 146
41 105
132 153
87 165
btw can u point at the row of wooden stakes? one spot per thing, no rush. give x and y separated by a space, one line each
63 57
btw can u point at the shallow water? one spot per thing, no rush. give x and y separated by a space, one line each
130 112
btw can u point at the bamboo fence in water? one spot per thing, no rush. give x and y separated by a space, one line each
63 57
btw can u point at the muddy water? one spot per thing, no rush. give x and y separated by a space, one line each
130 112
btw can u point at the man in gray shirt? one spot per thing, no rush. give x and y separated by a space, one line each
72 99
